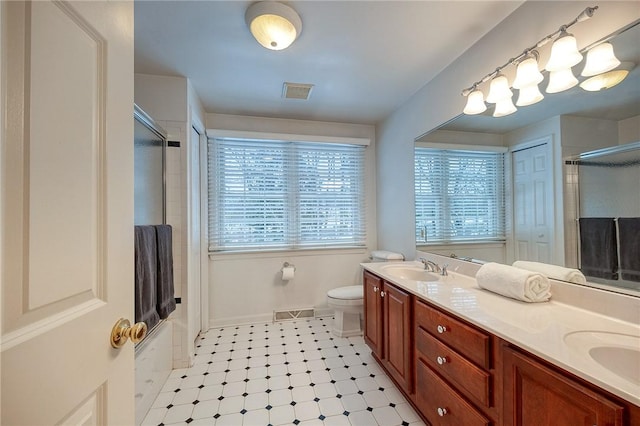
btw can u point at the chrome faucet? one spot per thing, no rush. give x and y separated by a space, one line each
432 266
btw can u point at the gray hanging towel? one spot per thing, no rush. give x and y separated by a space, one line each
146 269
629 231
166 297
598 248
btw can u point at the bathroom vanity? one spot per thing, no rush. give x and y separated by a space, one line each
464 356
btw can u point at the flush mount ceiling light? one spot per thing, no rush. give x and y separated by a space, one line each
564 55
274 25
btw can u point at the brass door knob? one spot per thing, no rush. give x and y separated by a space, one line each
123 330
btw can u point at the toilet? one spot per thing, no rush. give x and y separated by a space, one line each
347 302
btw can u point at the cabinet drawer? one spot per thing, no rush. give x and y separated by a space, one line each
453 366
440 404
472 343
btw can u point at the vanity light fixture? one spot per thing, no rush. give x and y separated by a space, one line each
500 94
499 89
475 103
561 80
527 73
529 95
564 55
528 76
607 79
600 59
274 25
504 107
564 52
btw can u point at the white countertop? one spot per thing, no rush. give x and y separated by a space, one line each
557 332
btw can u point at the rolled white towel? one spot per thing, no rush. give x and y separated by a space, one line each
552 271
514 282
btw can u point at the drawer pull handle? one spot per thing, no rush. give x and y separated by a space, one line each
442 412
441 329
442 360
375 289
382 294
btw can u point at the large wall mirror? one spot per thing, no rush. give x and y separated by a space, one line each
571 158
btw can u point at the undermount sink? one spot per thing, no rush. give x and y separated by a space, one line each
619 353
410 272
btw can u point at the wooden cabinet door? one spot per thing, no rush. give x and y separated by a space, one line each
397 334
537 396
373 314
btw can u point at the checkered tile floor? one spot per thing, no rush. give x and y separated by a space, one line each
287 373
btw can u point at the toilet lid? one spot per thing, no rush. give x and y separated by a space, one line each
348 293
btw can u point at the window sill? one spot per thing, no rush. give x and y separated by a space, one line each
462 244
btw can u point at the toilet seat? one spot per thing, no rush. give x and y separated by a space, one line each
347 293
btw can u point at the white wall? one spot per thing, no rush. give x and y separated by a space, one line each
440 101
248 287
629 130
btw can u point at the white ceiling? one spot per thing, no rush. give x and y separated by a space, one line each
365 58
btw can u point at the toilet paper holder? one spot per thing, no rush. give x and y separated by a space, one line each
288 265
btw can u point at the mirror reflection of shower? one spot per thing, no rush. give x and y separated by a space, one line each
608 221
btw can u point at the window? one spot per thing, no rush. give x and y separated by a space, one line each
284 195
459 195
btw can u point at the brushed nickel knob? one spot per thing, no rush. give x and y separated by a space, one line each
442 412
442 360
441 329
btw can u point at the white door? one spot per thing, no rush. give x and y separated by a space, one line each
533 204
67 212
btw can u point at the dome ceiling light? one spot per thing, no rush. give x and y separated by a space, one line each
274 25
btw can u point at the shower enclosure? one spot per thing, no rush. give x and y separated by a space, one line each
608 219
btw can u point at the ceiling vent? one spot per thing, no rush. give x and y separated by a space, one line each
296 91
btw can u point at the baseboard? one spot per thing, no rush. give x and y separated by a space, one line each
265 318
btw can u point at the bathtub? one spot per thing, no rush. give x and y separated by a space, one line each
153 363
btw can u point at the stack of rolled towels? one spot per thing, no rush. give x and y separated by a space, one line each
553 271
516 283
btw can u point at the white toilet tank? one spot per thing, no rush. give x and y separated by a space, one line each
386 256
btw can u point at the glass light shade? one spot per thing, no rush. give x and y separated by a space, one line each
274 25
561 80
529 95
604 81
564 53
527 73
499 89
475 103
504 107
600 59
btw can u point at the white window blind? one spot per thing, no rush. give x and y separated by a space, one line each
284 195
459 195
